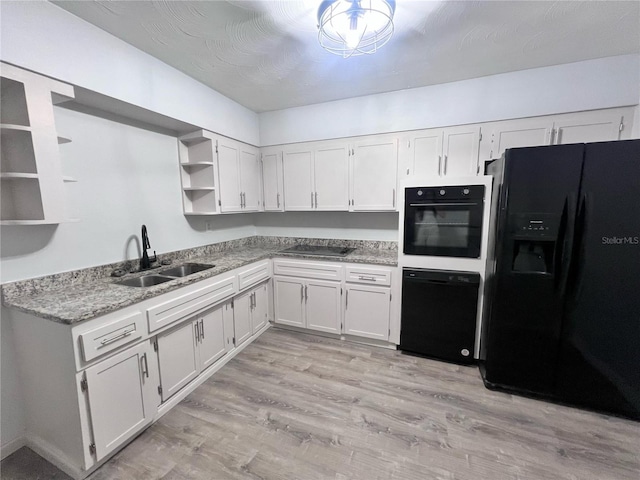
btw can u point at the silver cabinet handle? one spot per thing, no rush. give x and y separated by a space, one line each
197 331
301 293
126 333
346 300
365 277
311 199
306 293
278 199
446 157
394 198
145 367
440 165
202 328
316 195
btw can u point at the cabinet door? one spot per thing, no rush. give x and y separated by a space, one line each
289 301
229 334
297 167
260 308
425 155
331 174
374 169
272 181
520 133
178 358
212 337
121 393
322 301
588 127
367 311
250 178
461 150
229 176
242 317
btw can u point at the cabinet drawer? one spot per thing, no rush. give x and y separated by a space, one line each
368 275
106 338
319 270
172 310
253 274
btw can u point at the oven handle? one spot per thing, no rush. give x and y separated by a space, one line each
437 204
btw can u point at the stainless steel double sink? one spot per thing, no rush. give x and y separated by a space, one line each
167 275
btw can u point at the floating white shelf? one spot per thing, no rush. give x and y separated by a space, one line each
199 189
197 164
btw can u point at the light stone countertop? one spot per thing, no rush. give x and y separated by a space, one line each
81 298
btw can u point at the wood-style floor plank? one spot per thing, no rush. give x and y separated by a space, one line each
294 406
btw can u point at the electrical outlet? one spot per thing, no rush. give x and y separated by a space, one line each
207 226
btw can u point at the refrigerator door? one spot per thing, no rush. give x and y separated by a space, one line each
535 219
599 362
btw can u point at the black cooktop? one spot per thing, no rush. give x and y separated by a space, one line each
319 250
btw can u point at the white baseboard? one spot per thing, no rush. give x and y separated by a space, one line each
12 446
337 336
54 456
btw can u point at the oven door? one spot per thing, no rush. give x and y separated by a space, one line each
446 227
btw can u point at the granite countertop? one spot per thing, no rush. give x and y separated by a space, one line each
77 296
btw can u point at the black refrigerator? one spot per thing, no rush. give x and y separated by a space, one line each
562 308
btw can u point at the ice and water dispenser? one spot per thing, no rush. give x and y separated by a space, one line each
534 237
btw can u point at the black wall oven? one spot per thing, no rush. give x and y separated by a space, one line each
443 221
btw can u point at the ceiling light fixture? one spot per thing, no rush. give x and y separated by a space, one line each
355 27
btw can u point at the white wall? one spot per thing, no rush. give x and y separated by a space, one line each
340 225
40 36
602 83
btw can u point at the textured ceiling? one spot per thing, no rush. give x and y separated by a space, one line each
265 54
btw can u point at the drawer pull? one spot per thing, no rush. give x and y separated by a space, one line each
126 333
364 277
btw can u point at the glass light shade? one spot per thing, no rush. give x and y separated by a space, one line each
355 27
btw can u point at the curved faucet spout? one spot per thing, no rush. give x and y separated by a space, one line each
145 261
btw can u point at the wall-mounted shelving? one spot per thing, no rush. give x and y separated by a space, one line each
198 174
32 183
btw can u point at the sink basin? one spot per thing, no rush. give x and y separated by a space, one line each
186 269
146 281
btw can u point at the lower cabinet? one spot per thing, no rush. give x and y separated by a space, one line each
122 397
188 349
313 304
250 313
367 311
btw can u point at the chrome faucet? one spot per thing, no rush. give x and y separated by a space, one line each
145 261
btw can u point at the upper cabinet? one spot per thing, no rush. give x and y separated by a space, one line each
316 176
435 153
218 175
373 166
272 180
33 187
580 127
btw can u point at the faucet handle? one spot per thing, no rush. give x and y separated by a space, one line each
154 258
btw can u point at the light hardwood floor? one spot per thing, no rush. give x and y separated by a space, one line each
297 406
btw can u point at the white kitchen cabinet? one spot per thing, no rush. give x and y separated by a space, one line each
272 181
323 306
229 176
212 337
242 309
316 177
250 184
373 170
520 133
33 187
178 358
260 312
298 182
185 351
122 397
588 127
460 148
331 174
367 311
289 301
434 153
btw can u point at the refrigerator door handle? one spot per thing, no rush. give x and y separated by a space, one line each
574 277
562 256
